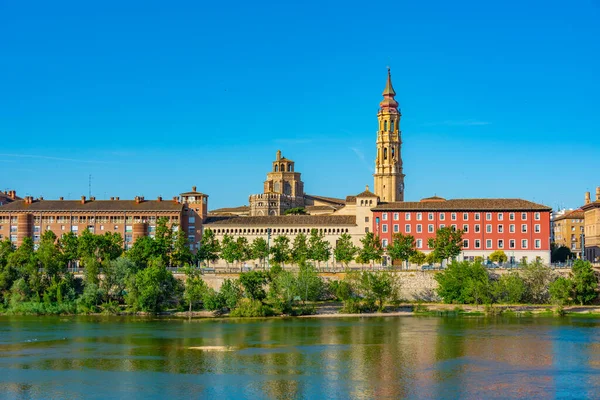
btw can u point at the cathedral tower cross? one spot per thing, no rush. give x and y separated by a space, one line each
389 179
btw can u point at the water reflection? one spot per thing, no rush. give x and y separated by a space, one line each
92 357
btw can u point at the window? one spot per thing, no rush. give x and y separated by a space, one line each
74 229
192 220
453 216
419 216
465 244
366 229
477 216
523 216
128 228
524 228
538 243
419 228
500 243
13 228
477 243
465 228
524 243
442 216
396 228
511 216
430 228
407 228
36 238
419 243
511 243
36 229
453 226
430 216
384 216
396 216
500 228
407 216
477 226
488 228
537 228
488 243
536 216
500 216
442 226
384 228
488 216
191 229
13 238
366 219
384 243
128 238
511 228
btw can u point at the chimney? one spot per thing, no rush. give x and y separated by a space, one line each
137 199
587 198
12 194
112 198
193 188
41 198
61 198
159 198
93 198
175 199
82 199
117 198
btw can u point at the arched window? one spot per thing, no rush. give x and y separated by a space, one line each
276 167
289 167
276 187
393 152
282 168
392 125
385 126
385 153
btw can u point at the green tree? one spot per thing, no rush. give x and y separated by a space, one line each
281 249
308 283
371 250
560 254
25 262
209 246
69 244
447 243
379 288
537 278
260 249
182 255
319 249
463 283
243 251
163 238
295 211
498 256
560 291
144 250
228 249
402 247
418 258
115 275
509 288
230 293
254 284
584 281
345 250
50 257
195 287
8 273
299 252
153 289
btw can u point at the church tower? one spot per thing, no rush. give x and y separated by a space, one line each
389 179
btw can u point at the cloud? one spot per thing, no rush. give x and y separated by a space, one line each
466 122
52 158
362 158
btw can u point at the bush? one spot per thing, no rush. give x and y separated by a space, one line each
464 283
250 308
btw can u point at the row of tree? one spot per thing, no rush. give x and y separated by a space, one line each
471 283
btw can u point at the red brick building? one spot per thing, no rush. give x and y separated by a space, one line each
518 227
135 218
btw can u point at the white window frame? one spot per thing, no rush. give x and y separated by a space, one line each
442 216
407 228
465 228
465 243
537 228
477 216
407 216
511 228
384 228
419 216
396 228
523 243
512 244
488 216
538 243
396 216
488 228
419 243
500 243
477 243
453 216
419 228
511 216
488 243
430 228
500 228
523 228
523 216
430 216
500 216
384 216
537 216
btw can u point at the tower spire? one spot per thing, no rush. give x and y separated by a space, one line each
389 89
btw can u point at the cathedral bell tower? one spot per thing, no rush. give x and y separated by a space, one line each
389 179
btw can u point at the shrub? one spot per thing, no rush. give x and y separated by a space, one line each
250 308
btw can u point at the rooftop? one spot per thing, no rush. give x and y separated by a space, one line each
575 214
272 220
91 206
465 205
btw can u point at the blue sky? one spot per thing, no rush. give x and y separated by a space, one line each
499 99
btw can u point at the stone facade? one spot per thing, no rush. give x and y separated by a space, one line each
592 226
567 230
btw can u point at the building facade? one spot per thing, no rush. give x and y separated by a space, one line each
388 177
132 219
591 228
8 196
518 227
568 229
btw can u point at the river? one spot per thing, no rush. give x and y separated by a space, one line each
315 358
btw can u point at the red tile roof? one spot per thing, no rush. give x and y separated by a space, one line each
465 205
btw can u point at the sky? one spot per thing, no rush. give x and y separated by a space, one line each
498 99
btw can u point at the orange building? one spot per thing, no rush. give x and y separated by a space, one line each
132 219
568 229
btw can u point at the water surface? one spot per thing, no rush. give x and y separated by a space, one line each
345 358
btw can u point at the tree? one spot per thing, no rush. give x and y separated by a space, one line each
371 250
561 254
209 246
195 287
319 249
281 249
379 288
8 274
431 258
345 250
144 250
243 252
182 255
253 283
163 238
560 291
260 249
418 258
49 256
498 256
299 252
69 244
447 243
584 281
402 247
230 293
154 288
537 279
309 284
509 288
115 277
463 283
228 249
295 211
